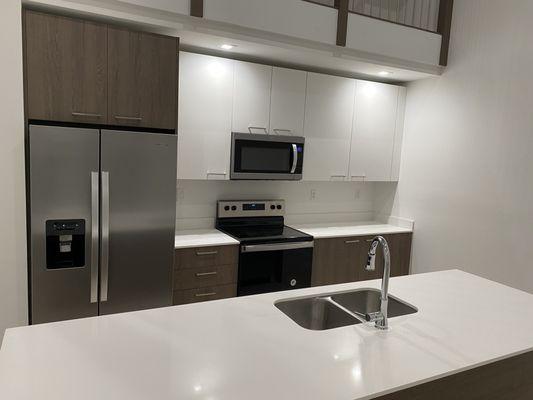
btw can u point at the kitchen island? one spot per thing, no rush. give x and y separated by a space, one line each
245 348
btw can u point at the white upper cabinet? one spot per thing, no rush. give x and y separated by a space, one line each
251 100
374 130
398 135
328 127
287 103
204 122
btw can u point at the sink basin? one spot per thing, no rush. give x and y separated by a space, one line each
316 313
319 313
366 301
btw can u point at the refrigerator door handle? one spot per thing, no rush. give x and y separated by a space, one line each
104 251
95 198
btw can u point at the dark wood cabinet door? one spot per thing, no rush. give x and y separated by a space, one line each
66 68
335 260
400 255
143 79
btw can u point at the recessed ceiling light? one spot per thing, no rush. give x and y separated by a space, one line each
384 73
227 46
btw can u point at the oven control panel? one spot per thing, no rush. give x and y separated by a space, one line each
250 208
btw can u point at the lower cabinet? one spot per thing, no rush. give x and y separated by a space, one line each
341 260
205 273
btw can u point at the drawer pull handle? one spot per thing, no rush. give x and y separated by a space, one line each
90 115
205 294
128 118
351 241
200 274
206 253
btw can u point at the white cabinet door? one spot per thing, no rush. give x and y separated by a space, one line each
251 100
398 135
374 128
328 127
287 103
204 121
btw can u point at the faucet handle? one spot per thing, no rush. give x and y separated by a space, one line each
373 317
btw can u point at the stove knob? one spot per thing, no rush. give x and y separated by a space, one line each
293 282
233 208
226 208
279 207
272 207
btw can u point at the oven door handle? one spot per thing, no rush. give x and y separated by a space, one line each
294 157
254 248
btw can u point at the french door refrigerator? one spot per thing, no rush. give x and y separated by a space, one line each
102 207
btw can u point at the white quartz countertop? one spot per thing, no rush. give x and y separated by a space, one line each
331 230
213 237
202 238
245 348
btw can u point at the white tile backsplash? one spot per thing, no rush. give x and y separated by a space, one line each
332 202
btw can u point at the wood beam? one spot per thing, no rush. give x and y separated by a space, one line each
342 21
197 8
444 26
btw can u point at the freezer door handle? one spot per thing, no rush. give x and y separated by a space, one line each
95 198
104 250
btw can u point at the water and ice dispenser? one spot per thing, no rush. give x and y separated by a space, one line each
65 243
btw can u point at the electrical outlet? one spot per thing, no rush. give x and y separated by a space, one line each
312 194
180 193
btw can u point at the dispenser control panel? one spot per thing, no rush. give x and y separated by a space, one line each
65 243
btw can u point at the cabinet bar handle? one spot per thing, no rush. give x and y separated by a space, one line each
205 294
128 118
200 274
351 241
81 114
259 128
206 253
276 130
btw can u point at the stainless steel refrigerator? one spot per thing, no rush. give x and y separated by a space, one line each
102 207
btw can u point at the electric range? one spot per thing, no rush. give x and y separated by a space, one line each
272 256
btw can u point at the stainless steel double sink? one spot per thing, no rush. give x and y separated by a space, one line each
320 313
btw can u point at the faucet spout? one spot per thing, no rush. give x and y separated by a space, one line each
380 318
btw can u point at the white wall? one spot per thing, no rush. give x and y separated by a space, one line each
333 201
13 279
467 163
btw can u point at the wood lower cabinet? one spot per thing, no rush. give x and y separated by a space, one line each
205 273
66 68
341 260
143 78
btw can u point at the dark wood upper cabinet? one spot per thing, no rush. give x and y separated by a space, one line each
143 77
83 71
66 68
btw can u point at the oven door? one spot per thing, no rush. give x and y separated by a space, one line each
266 157
273 267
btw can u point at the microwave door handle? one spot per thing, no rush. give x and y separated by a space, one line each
294 158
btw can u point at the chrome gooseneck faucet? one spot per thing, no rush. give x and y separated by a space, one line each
380 317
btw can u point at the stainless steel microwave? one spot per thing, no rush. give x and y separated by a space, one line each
266 157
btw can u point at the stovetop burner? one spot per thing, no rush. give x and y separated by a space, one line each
257 222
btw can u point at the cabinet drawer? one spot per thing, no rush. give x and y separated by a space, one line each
198 257
204 294
205 276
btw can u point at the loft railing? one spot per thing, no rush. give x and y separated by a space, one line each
428 15
420 14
